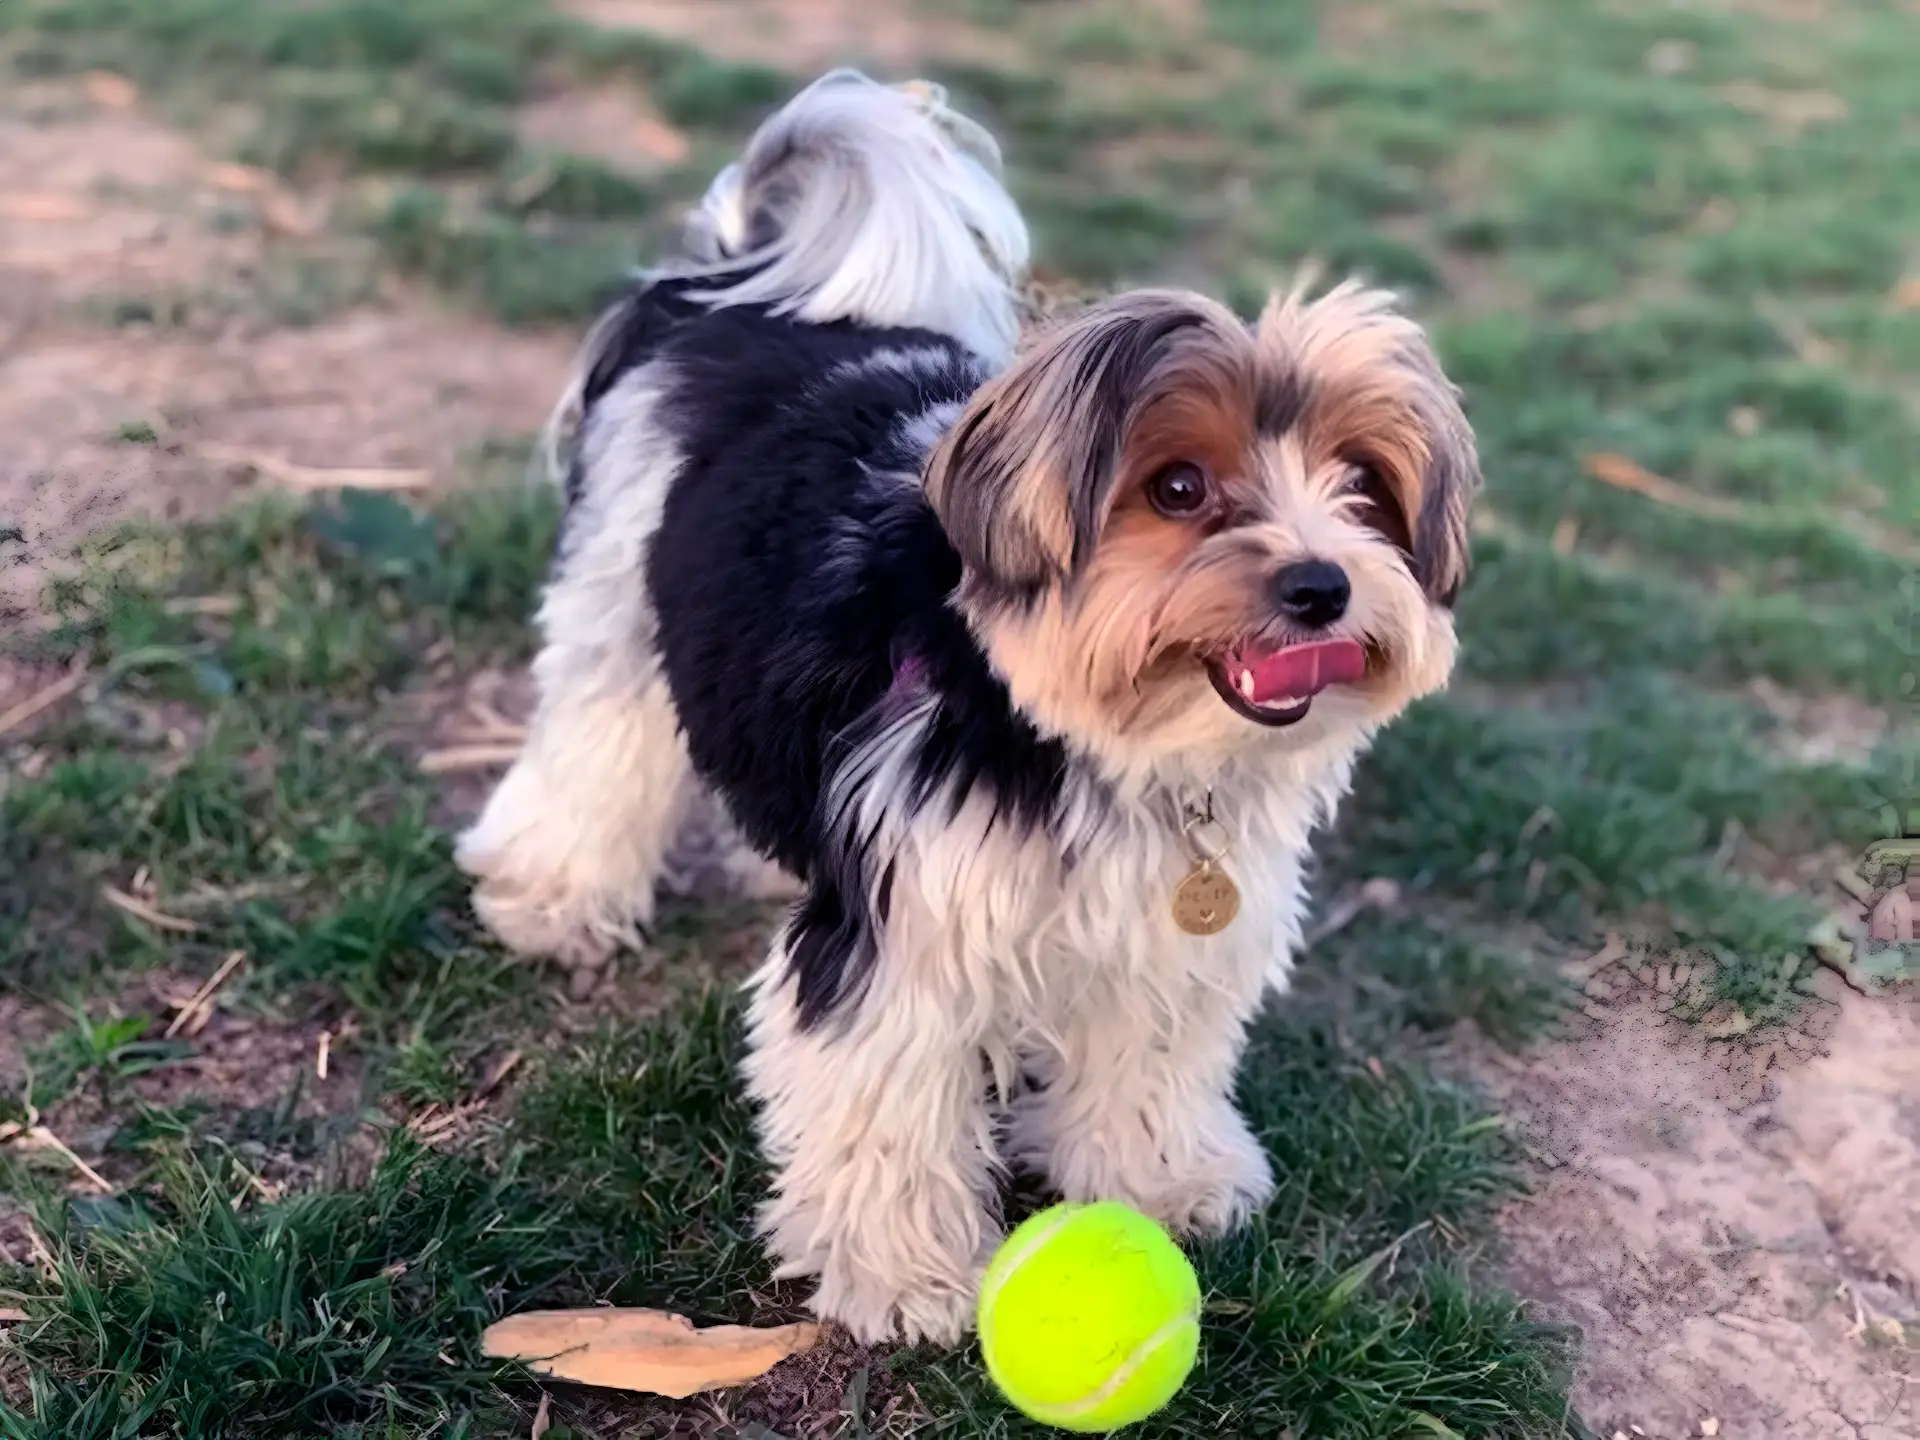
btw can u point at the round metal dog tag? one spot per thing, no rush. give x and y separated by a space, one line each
1206 901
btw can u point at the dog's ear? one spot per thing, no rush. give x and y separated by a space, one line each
1023 480
1447 489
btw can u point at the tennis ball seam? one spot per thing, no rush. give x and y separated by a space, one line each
1122 1373
1012 1267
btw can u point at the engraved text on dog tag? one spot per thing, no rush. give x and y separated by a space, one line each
1206 901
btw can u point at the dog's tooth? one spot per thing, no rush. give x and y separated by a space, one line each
1246 683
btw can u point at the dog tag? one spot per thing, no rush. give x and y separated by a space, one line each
1206 901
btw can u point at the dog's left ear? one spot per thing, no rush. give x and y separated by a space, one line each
1449 485
1023 480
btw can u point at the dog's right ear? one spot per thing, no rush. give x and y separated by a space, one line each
1023 479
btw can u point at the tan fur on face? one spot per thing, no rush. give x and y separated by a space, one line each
1096 609
1376 394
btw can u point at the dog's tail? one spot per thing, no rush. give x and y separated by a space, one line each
869 202
855 201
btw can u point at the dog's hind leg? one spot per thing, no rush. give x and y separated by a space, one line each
572 843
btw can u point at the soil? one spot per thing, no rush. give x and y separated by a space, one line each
141 373
1734 1226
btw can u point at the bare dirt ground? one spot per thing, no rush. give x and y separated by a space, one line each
140 373
1734 1225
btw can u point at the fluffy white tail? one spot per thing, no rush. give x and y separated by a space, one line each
869 202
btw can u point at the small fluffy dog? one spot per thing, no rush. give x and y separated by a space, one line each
1038 672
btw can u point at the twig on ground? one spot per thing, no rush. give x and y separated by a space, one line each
433 1123
39 1137
141 910
490 724
1377 893
496 1074
1579 972
44 699
457 759
1624 474
323 1054
542 1420
309 477
216 606
197 1009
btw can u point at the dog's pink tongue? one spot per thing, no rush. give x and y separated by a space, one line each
1300 670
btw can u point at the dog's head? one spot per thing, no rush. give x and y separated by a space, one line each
1185 536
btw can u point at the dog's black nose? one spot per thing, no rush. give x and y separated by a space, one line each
1314 592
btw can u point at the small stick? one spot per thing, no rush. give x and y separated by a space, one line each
45 699
217 606
203 997
1624 474
41 1138
492 724
497 1074
140 910
309 477
455 759
325 1051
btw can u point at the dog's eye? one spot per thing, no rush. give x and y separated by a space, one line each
1361 480
1179 490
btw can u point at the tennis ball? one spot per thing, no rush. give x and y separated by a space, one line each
1089 1317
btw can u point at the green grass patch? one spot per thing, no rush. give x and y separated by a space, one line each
1343 1312
181 1310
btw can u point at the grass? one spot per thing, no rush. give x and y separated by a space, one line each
1667 234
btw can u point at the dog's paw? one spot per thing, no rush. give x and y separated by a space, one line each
549 923
933 1300
1211 1180
1228 1184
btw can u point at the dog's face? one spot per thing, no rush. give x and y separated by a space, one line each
1185 536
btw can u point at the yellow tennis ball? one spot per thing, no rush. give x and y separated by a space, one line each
1089 1317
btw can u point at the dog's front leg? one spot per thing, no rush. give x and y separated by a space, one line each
1136 1104
876 1125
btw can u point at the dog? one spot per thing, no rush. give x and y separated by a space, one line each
1035 665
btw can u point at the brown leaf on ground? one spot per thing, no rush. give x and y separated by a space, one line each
1624 474
111 91
649 1351
48 207
246 179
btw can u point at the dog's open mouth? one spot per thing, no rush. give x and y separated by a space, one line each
1276 686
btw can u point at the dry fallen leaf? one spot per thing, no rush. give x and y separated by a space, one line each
11 1316
650 1351
47 207
115 92
658 140
248 179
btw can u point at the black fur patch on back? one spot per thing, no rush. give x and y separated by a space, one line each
802 584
